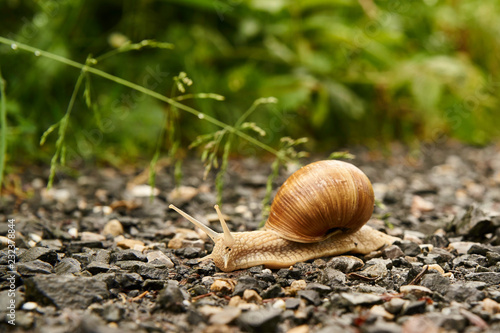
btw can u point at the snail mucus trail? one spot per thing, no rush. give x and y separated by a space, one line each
319 211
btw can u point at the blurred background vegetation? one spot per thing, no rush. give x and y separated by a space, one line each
344 72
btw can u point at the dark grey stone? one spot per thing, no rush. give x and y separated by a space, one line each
492 257
361 299
381 327
345 264
131 265
153 273
68 266
113 312
83 258
460 292
128 254
102 256
244 283
129 280
331 277
491 278
97 267
414 307
34 267
470 261
263 320
171 298
293 273
436 282
292 303
410 249
441 255
77 246
266 277
40 253
474 223
154 284
52 244
272 292
189 252
321 288
478 249
65 291
393 252
312 296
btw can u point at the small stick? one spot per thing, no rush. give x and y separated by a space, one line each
419 276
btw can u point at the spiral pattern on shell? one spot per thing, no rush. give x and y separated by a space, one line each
321 199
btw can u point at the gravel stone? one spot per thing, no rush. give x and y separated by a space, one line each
171 298
292 303
393 252
40 253
225 316
68 266
189 252
128 254
382 327
263 320
492 257
470 261
154 284
97 267
83 258
345 264
113 312
413 308
441 255
410 249
153 273
395 305
491 278
356 299
438 241
331 277
51 244
312 296
65 291
34 267
294 274
129 280
77 246
461 292
478 248
436 282
244 283
159 258
272 292
320 288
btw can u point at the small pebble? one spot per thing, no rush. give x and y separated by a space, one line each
159 258
418 291
131 244
143 191
113 228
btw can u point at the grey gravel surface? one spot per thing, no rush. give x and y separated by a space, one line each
97 254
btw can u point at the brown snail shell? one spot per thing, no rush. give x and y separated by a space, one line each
321 199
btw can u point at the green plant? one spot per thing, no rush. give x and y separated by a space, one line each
212 141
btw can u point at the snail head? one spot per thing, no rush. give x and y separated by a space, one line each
223 241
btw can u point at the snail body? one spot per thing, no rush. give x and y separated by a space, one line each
319 211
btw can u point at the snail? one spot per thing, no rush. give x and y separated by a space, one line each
319 211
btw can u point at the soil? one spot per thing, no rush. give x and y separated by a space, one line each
102 252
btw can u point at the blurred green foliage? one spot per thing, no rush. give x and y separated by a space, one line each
344 72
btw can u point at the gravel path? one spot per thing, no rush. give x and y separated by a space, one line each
96 254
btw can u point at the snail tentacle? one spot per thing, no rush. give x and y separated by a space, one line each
211 233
